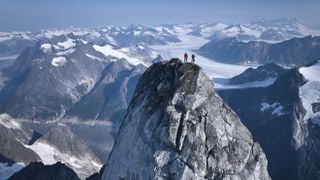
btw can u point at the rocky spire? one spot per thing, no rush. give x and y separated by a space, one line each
177 127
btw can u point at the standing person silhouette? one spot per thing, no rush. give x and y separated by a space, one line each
193 58
185 57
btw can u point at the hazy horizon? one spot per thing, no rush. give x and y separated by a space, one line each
22 15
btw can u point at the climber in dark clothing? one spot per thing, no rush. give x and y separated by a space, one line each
185 57
193 58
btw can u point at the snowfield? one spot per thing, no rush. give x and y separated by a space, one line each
107 50
94 57
277 108
58 61
310 92
7 121
49 155
46 48
213 69
67 44
66 52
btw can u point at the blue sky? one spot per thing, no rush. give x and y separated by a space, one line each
39 14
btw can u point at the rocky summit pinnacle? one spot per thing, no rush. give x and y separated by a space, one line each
177 127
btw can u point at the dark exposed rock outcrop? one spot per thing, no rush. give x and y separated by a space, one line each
39 171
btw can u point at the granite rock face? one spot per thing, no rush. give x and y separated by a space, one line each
177 127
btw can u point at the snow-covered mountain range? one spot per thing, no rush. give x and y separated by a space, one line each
12 43
264 30
64 92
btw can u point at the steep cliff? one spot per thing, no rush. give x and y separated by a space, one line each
177 127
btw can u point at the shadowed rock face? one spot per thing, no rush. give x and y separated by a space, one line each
177 127
288 141
261 73
38 171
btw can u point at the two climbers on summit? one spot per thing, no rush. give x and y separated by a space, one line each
186 58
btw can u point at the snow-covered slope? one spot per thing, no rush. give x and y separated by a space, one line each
108 50
61 144
310 92
19 146
190 44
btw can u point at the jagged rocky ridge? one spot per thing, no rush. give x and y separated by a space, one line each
178 127
39 171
